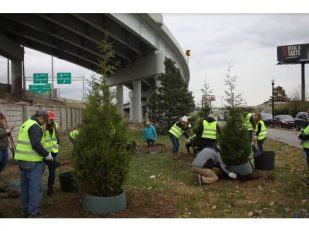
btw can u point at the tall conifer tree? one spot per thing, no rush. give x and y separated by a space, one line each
172 99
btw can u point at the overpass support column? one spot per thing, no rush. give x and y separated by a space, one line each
137 101
16 75
131 105
119 98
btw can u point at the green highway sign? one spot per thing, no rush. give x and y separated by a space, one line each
41 88
40 78
64 78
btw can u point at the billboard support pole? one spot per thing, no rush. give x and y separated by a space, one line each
303 82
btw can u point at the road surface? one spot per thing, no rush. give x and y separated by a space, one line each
285 136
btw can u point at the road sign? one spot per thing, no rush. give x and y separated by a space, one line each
40 78
63 78
40 88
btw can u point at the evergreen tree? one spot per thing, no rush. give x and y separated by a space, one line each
172 99
101 158
206 104
234 140
280 95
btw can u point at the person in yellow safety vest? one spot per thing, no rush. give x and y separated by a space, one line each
304 137
51 144
249 124
207 132
178 129
260 134
73 135
29 155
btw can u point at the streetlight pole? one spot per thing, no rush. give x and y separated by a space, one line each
272 99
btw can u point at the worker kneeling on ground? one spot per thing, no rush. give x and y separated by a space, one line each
203 164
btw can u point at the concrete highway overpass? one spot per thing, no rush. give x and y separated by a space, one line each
140 42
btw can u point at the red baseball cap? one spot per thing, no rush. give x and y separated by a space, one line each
51 115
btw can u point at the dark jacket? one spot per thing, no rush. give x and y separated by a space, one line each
4 142
35 134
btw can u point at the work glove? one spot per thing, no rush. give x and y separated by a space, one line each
49 157
233 175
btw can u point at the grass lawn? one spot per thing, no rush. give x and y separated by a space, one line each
158 186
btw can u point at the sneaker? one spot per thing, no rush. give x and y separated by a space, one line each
197 179
175 158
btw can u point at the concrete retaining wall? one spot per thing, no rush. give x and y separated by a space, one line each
16 114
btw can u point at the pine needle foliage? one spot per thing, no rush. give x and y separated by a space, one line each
171 100
234 140
101 157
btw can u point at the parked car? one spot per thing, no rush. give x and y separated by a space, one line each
267 118
301 120
284 121
220 118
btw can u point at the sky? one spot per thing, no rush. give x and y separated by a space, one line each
246 41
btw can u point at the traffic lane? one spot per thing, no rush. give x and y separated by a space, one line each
285 136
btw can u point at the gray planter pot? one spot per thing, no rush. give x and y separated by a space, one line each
242 169
103 205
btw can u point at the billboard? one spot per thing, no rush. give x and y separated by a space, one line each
293 53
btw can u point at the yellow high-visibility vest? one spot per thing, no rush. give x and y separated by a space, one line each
306 142
209 130
24 150
176 131
50 141
247 123
73 134
263 131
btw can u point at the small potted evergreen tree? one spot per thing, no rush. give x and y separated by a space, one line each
101 154
234 141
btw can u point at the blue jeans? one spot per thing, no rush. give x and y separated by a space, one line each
175 143
260 145
31 186
4 155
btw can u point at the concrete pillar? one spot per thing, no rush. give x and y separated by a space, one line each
137 101
131 95
16 75
119 98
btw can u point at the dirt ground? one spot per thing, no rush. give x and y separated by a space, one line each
141 203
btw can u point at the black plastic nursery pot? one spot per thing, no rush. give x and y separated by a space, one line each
266 161
67 182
